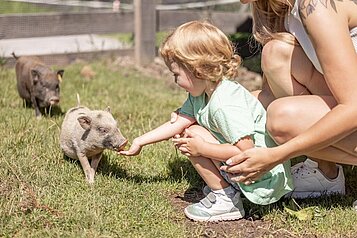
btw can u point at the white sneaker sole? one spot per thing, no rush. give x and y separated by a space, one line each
224 217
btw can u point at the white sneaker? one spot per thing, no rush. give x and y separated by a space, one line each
309 181
216 207
206 190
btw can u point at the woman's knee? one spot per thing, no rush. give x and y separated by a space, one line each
276 55
281 116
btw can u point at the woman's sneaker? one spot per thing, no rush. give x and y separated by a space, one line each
309 181
216 207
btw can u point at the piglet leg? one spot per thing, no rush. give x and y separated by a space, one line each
95 161
88 171
37 110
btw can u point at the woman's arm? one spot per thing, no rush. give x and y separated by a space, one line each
327 27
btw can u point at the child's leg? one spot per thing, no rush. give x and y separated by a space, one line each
209 172
208 168
224 202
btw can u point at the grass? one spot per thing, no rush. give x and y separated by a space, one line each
128 38
44 194
7 7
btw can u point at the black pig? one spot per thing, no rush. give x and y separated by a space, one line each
37 84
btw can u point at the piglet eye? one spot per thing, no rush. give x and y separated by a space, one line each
103 130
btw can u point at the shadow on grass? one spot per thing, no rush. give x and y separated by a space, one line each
181 169
52 111
106 168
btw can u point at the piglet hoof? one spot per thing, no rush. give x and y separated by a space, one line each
90 176
90 180
38 117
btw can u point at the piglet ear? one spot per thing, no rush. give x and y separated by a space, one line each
85 122
108 109
60 74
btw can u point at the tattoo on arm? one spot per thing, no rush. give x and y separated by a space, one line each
307 7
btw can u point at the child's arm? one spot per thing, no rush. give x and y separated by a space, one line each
163 132
195 145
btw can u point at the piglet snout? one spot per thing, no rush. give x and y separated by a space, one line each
54 100
121 145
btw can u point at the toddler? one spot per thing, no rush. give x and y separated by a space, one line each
219 119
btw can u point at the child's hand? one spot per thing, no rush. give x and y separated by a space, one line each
189 144
135 149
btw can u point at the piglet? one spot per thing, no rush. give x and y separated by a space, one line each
37 84
86 133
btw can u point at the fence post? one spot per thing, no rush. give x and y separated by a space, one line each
145 29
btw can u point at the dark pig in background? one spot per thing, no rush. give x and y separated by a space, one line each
37 83
86 133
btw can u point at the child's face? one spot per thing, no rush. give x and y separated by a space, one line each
187 80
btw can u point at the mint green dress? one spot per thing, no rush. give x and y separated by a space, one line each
231 114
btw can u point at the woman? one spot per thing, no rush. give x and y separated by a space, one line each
318 71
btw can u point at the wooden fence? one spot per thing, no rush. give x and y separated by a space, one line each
144 22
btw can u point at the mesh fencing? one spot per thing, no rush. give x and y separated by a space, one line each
45 27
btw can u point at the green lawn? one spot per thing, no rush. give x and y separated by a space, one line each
44 194
7 7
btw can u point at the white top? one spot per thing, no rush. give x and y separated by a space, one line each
294 25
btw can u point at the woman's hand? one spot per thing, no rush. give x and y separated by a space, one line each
135 149
189 143
251 164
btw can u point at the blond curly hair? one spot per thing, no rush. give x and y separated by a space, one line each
202 49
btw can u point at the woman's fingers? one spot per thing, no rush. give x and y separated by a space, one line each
247 179
237 159
233 169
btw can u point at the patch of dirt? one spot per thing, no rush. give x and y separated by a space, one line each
247 227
